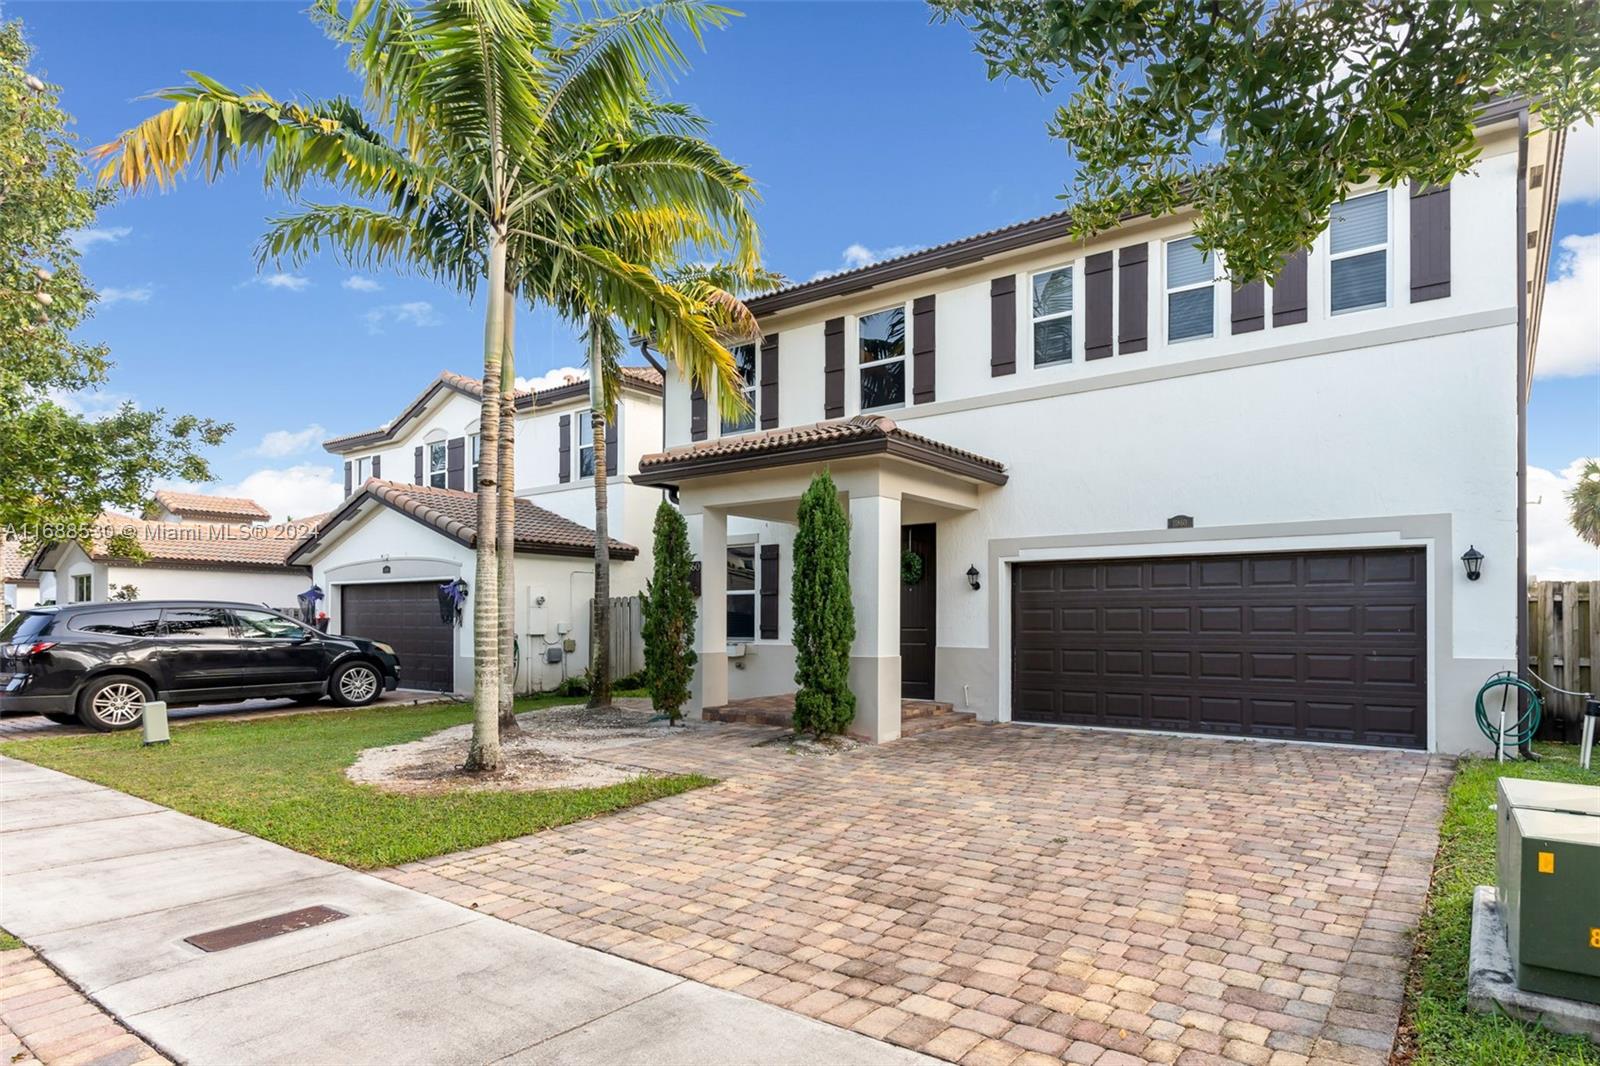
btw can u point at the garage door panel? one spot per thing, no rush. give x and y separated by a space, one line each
1322 646
406 616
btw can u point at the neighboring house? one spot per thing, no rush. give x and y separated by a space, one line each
172 506
381 565
18 591
1143 498
181 560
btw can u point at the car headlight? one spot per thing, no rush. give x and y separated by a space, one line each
385 648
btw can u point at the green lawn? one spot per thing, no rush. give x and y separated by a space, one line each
8 942
282 779
1446 1031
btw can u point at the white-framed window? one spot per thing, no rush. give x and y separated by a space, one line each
742 593
82 588
1191 291
438 464
744 360
1358 253
474 453
881 347
360 470
585 444
1052 316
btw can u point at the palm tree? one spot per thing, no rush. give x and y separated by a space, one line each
1584 499
481 102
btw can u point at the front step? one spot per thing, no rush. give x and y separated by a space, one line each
911 725
782 717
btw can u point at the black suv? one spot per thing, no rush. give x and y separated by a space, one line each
98 663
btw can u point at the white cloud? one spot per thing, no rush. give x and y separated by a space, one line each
410 313
551 379
859 255
360 283
84 239
91 403
287 492
139 294
291 282
1580 167
1569 333
281 442
1555 552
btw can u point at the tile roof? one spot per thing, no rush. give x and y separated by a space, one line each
12 560
184 503
455 514
211 544
840 438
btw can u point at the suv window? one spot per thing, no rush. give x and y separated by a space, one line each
259 624
126 622
197 623
26 626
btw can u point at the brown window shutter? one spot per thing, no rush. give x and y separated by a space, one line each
1249 311
768 373
1289 291
377 466
922 348
347 476
1003 326
418 457
611 444
697 412
1133 299
1097 306
833 368
455 464
769 592
566 449
1430 242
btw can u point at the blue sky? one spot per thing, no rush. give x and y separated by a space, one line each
855 159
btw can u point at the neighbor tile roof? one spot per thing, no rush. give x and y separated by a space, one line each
642 377
182 503
210 544
840 438
12 560
455 514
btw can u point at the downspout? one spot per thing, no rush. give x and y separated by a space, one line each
650 357
1522 404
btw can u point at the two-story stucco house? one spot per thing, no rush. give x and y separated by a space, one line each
408 526
1144 498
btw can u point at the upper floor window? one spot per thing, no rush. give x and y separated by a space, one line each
438 453
585 445
744 360
1052 316
360 470
82 588
474 452
1358 252
741 592
1191 290
881 338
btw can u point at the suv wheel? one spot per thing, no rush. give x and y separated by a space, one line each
113 703
356 684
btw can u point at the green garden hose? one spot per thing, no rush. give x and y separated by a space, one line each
1521 727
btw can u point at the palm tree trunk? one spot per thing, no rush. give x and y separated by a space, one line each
600 636
484 753
507 535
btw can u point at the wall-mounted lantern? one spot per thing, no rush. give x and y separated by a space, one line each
1472 559
972 578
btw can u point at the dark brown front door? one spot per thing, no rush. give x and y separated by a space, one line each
918 616
404 615
1327 646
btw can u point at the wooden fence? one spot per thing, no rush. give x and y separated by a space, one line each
1563 642
627 635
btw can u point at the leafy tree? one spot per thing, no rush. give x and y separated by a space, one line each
669 656
1584 499
1261 113
63 468
824 616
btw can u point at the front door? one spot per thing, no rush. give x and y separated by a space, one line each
918 612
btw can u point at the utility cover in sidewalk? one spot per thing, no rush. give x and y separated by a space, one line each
264 928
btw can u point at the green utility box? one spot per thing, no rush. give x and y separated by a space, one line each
1549 885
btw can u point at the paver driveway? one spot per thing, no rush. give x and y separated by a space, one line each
1007 894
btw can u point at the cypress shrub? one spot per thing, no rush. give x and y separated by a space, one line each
824 617
669 656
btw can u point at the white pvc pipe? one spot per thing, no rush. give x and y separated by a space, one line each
1588 739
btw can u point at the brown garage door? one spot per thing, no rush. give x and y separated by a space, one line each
405 615
1317 646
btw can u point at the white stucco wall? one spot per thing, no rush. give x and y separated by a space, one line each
274 589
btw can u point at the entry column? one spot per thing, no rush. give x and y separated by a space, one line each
875 591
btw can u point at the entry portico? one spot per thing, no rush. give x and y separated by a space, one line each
888 479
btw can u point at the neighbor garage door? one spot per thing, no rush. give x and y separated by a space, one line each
1324 646
405 615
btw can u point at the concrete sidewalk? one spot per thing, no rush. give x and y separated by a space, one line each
106 887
